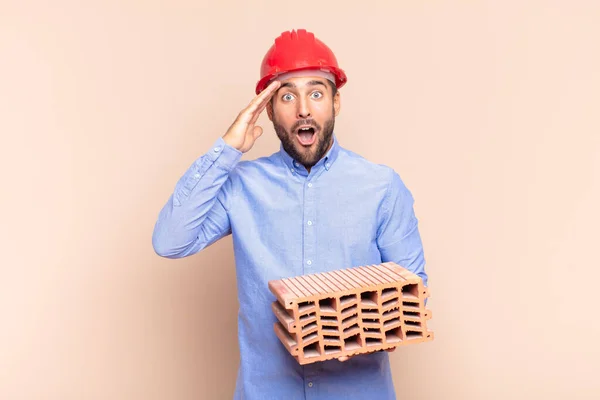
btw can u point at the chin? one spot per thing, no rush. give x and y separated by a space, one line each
309 156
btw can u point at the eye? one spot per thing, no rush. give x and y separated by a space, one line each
316 95
287 97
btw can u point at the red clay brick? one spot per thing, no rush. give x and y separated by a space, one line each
350 311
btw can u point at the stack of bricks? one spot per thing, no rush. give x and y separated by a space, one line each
350 311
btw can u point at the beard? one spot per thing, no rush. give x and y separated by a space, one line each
306 155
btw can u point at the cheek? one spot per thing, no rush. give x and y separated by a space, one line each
322 111
284 116
322 108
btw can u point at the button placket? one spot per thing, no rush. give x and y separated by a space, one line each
309 227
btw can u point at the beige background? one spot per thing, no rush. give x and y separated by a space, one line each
489 110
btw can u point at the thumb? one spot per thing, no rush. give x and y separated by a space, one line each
257 132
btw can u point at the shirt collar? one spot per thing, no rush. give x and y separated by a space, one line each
325 162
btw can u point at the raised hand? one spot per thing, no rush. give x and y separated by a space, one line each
243 132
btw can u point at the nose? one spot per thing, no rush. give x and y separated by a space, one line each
303 109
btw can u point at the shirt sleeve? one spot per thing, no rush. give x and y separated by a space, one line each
398 238
196 213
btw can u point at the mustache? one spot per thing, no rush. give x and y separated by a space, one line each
305 122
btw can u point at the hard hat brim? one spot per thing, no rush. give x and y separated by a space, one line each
340 76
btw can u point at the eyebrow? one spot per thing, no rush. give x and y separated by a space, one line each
287 84
315 82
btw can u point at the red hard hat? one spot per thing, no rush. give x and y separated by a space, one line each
297 50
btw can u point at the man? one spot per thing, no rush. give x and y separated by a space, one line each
313 206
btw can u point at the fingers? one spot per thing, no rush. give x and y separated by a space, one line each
264 96
346 358
257 105
257 113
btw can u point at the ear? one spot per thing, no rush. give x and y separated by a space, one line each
337 103
270 110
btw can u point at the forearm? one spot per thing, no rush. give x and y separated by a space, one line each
195 214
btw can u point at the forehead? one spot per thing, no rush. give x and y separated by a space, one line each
303 82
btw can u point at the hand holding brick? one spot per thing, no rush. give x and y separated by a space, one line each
351 311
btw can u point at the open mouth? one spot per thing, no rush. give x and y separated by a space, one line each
306 135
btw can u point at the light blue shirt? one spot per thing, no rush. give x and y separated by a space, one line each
286 222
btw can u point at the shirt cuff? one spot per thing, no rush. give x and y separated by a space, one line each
224 155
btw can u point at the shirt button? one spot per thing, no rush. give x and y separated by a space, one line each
217 149
309 222
309 262
310 384
196 176
327 165
310 184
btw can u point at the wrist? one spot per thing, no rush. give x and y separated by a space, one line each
230 142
